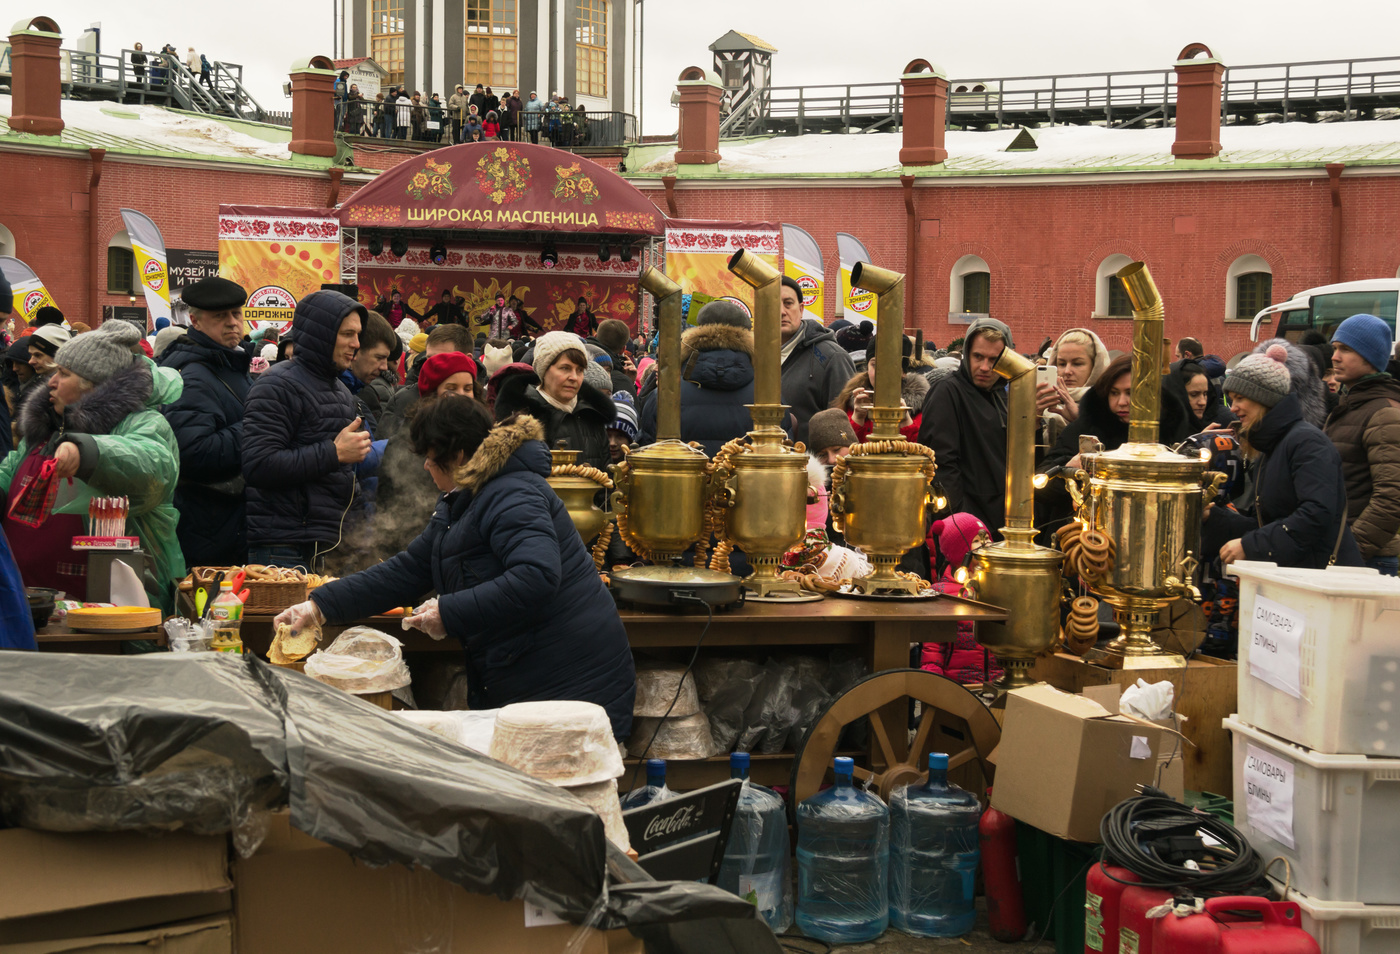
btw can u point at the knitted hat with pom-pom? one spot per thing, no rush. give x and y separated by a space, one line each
1261 377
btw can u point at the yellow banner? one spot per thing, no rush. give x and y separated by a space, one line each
809 279
276 275
706 276
155 279
859 303
30 297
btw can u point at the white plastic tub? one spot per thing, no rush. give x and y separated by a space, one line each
1344 822
1340 686
1342 927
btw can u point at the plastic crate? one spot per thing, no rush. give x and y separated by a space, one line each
1345 819
1052 880
1349 659
1218 805
1343 927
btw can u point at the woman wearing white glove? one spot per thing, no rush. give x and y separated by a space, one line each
515 584
304 615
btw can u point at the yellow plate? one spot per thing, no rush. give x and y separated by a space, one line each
103 619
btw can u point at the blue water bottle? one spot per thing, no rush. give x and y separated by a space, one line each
933 855
843 857
654 790
755 865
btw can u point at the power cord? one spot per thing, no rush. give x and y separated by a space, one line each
710 618
1168 845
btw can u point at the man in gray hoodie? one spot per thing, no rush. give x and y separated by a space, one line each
965 424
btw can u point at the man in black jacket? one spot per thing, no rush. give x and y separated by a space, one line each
208 424
302 438
965 424
815 367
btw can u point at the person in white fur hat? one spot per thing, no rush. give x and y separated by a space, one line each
558 395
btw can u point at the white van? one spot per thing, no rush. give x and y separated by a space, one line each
1325 307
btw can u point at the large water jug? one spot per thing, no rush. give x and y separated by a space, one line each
843 856
933 855
654 790
755 865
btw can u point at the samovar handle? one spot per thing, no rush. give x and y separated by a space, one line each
1074 482
1182 585
1211 482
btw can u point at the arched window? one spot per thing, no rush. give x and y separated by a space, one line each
1249 286
1110 299
7 241
969 289
121 266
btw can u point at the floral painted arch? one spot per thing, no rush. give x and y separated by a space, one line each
503 187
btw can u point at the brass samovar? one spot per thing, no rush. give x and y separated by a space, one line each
1016 574
880 492
1146 499
663 488
577 485
763 482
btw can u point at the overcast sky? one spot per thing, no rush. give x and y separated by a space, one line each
819 41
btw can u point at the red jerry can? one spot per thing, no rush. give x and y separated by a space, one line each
1277 930
1134 926
1001 876
1102 895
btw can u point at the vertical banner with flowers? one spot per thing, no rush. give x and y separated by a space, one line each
698 253
279 256
148 246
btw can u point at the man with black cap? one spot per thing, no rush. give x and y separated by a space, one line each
302 439
208 423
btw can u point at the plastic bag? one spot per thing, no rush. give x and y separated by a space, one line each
673 739
1148 701
472 728
770 709
809 697
726 686
361 660
756 859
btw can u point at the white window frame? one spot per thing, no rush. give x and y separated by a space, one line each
963 266
1108 268
1244 265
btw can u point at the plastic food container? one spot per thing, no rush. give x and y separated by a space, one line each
677 740
1348 927
567 743
1347 667
1341 813
658 685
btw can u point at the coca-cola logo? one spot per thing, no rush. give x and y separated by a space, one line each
679 820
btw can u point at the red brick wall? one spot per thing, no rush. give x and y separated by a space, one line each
1044 243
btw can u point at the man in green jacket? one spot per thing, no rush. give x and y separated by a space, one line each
1365 426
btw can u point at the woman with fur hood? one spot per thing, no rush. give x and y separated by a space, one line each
515 585
858 396
99 418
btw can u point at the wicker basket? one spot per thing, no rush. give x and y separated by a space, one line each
265 597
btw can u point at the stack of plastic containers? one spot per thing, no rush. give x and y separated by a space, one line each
1317 745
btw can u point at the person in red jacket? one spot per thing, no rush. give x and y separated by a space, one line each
858 396
950 540
491 127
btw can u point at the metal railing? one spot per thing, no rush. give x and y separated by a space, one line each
599 130
1352 88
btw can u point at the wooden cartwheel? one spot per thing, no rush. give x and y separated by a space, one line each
953 721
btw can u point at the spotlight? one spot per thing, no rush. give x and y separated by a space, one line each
399 246
375 244
438 253
604 253
625 253
549 258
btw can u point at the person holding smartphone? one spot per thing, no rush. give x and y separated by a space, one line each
1073 365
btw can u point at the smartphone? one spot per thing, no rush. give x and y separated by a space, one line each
1047 374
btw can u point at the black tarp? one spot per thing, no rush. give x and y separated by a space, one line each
205 742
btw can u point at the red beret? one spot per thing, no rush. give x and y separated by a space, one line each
440 367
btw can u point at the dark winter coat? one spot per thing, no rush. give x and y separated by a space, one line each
377 394
515 585
716 386
966 427
585 429
1365 427
1299 503
298 491
814 374
208 424
1216 412
1097 418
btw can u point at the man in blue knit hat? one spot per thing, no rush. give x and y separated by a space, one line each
1365 426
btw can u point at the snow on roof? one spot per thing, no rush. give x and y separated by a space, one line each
155 129
1059 149
734 40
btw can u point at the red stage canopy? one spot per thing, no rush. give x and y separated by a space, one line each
503 187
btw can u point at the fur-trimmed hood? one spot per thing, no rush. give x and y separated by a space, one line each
913 389
1304 383
100 410
504 442
716 338
717 357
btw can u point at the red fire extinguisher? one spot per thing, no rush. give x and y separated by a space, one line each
1006 911
1102 895
1277 929
1134 926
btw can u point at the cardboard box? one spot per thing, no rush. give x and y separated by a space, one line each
297 895
1065 760
1171 764
205 936
56 886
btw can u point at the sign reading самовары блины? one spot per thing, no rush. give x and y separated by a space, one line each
1275 645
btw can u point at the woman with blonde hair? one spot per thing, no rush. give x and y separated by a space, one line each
1079 359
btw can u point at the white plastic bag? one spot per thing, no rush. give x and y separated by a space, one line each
361 660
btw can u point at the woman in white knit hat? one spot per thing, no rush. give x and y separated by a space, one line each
1296 514
560 398
99 419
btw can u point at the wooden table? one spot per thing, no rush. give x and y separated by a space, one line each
58 638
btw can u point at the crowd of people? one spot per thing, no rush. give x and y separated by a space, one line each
479 116
156 66
329 448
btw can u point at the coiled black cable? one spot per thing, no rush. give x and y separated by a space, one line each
1141 834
